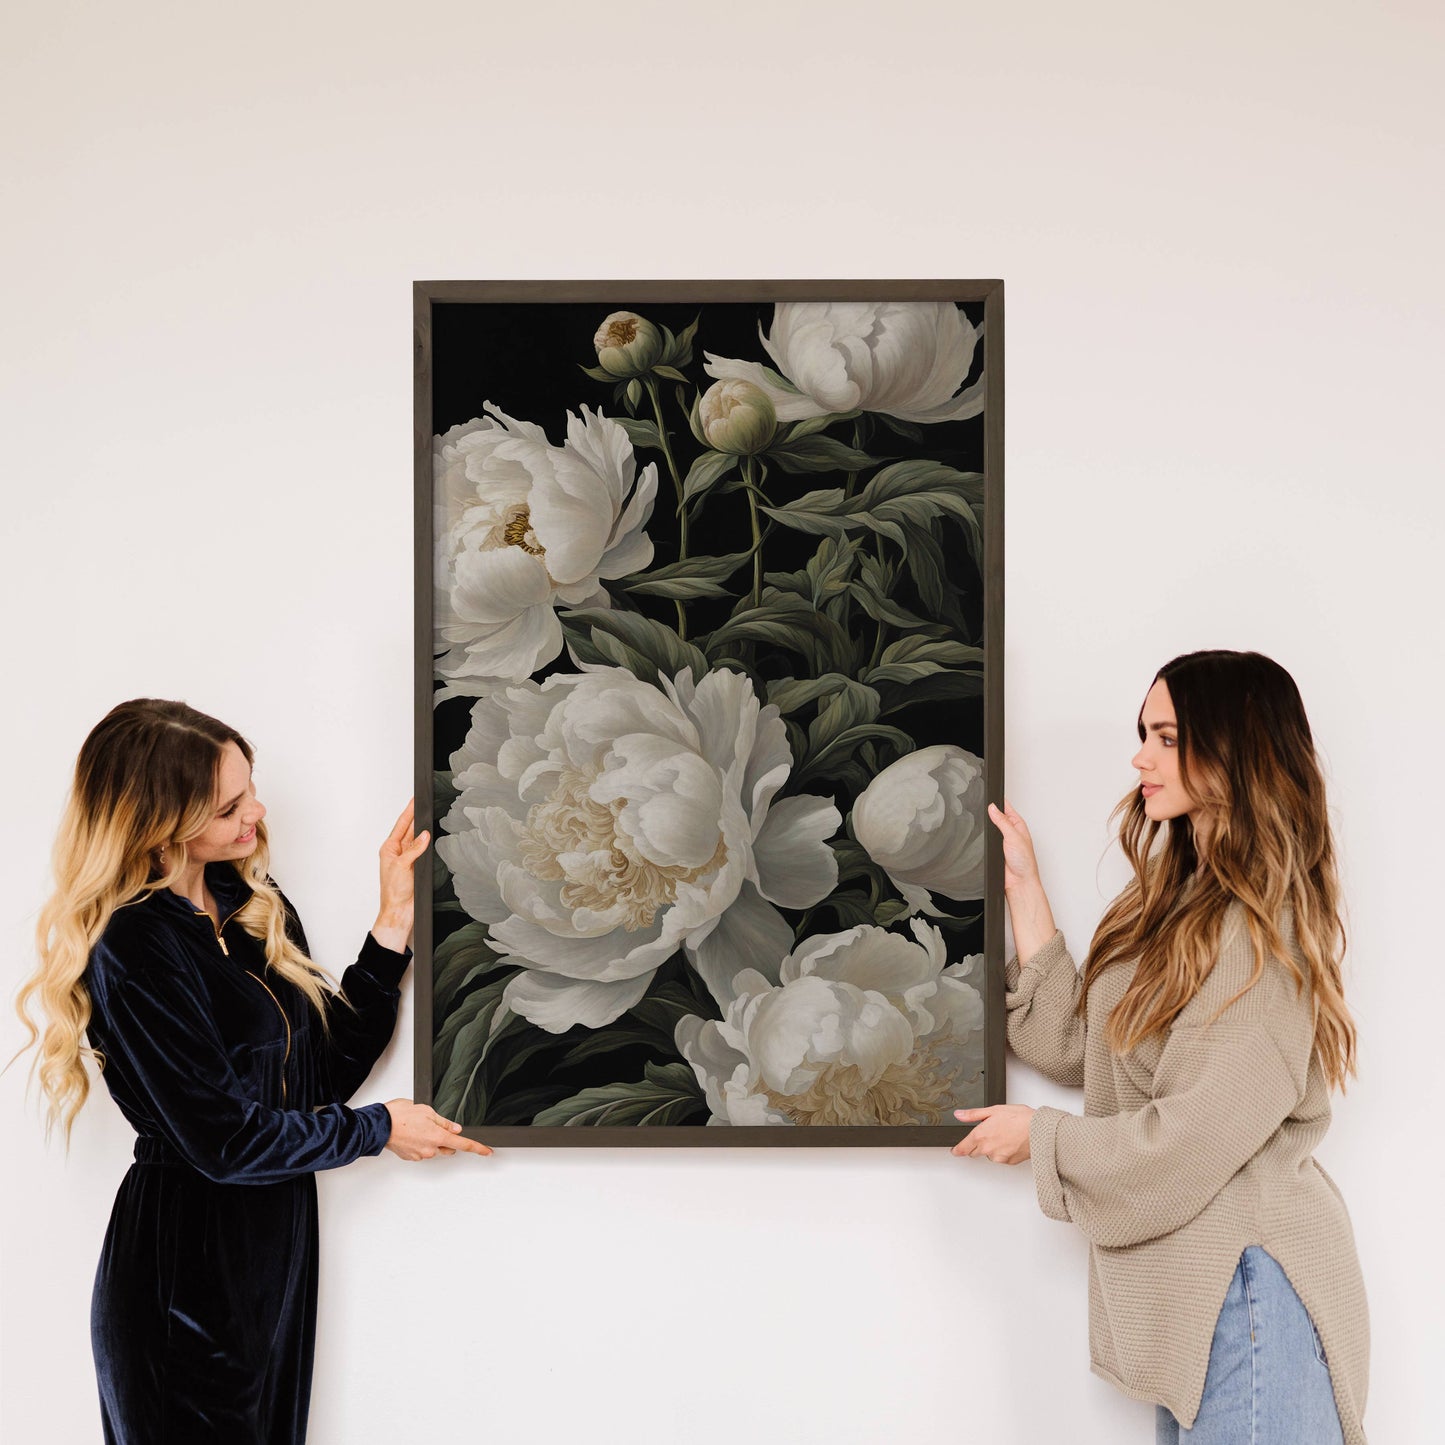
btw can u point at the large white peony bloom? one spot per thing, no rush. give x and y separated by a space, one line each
603 823
923 821
907 359
865 1027
523 527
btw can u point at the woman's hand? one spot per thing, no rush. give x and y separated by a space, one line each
1003 1134
398 854
419 1132
1020 867
1023 890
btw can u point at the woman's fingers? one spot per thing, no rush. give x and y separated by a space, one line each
451 1132
400 833
470 1146
419 1132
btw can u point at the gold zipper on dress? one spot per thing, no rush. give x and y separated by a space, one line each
285 1017
202 913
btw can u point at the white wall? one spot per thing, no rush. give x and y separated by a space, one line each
1220 231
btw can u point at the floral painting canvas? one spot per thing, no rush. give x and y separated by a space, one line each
708 709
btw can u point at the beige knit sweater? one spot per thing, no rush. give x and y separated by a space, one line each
1188 1150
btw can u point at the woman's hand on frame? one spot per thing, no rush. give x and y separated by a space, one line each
1023 890
1021 867
419 1132
395 916
1000 1132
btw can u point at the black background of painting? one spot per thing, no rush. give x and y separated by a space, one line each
525 359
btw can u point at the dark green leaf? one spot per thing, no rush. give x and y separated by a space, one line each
913 658
890 910
667 1094
923 558
645 648
461 1047
831 566
846 709
597 373
705 473
908 429
788 694
813 424
907 493
694 419
835 759
851 908
670 372
790 622
939 687
690 578
677 350
854 862
444 792
873 590
640 432
610 1040
459 956
634 394
817 454
777 379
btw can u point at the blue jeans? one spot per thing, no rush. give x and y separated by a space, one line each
1268 1381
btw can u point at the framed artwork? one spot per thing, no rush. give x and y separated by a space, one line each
709 705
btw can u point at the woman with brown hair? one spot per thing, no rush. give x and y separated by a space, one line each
1207 1029
169 947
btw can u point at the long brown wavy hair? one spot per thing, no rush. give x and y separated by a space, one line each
145 779
1247 756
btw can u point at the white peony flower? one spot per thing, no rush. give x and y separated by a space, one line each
865 1027
604 822
922 820
523 527
736 417
627 344
907 359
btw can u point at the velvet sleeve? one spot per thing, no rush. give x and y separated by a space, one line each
1221 1090
362 1018
160 1032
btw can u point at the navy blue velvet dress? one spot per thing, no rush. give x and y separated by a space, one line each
203 1317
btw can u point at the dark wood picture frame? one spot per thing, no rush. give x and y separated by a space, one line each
605 295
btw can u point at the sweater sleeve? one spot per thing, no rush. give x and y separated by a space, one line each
1040 996
160 1032
1220 1092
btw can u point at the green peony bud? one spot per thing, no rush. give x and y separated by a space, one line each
737 417
627 345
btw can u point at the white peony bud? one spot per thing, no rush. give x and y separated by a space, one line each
922 820
737 417
627 345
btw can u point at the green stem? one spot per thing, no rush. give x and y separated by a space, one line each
877 656
651 385
857 447
752 491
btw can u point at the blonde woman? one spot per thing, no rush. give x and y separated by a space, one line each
170 948
1207 1029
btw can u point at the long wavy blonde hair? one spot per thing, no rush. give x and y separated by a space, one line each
1247 756
145 781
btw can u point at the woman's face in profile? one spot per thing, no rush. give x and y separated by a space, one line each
235 811
1158 758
